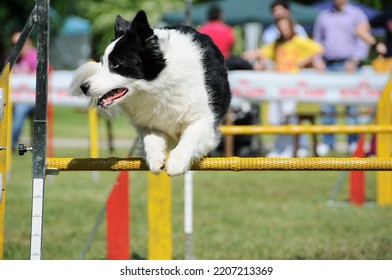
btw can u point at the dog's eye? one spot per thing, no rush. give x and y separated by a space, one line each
114 65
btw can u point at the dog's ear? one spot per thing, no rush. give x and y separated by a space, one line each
140 26
152 57
120 26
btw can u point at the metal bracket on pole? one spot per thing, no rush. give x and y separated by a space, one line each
22 149
52 171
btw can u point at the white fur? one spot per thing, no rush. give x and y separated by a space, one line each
82 74
172 107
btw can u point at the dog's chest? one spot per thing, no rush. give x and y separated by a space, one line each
169 118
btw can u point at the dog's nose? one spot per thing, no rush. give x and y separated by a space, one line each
85 87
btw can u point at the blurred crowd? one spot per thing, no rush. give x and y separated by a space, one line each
341 40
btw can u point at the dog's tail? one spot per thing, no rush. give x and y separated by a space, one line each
81 75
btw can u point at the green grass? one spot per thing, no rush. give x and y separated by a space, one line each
237 215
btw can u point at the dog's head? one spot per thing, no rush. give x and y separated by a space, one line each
132 57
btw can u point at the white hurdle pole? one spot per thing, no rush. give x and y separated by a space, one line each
37 219
188 214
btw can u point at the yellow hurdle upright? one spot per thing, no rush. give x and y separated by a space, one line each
4 150
383 146
93 124
94 142
160 241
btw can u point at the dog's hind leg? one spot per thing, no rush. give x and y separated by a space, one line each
155 147
197 140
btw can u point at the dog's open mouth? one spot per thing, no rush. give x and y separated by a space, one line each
111 96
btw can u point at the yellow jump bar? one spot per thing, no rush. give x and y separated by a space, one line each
299 129
229 164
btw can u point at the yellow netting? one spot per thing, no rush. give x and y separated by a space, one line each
230 163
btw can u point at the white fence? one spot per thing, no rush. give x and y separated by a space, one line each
307 86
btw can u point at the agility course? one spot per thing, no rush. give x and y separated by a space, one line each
42 165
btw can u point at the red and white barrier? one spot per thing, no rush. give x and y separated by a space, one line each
306 86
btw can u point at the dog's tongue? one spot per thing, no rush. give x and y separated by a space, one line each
112 95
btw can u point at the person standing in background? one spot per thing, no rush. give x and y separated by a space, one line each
280 9
221 34
290 52
384 20
26 63
364 32
224 38
336 29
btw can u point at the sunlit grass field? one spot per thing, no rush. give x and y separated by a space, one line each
237 215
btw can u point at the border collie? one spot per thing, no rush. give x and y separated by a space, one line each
172 84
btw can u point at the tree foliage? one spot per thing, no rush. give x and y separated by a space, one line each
101 13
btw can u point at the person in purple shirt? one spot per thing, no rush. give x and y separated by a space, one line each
336 29
26 63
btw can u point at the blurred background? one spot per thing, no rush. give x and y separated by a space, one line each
242 215
80 30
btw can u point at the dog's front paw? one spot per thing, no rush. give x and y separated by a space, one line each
156 163
178 163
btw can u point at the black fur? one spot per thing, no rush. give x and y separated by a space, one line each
137 54
215 73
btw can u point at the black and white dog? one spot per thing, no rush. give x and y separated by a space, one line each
170 81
